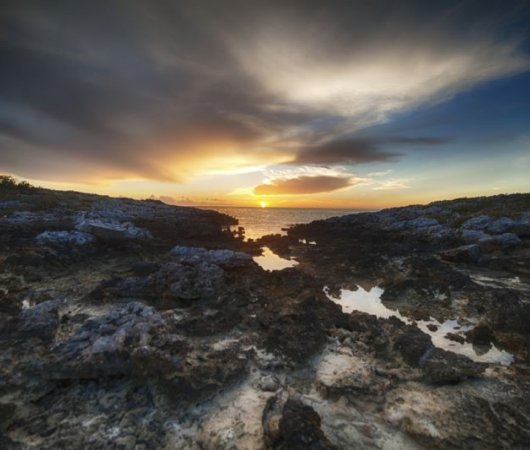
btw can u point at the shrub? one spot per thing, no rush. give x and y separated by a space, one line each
9 184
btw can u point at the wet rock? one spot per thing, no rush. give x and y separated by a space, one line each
455 337
298 427
466 254
413 345
442 367
481 335
64 238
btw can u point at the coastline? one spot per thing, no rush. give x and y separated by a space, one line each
142 325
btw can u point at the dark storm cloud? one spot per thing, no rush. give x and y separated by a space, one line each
304 185
154 88
352 151
361 151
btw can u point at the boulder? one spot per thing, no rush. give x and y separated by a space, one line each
521 226
294 427
481 335
413 344
479 223
505 240
500 226
509 313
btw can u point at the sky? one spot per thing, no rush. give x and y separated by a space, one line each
352 103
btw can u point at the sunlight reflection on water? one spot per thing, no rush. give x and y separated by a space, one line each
370 302
271 261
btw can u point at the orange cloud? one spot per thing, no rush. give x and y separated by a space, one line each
304 185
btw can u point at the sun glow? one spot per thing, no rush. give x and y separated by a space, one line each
263 204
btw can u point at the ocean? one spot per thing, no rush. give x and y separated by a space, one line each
262 221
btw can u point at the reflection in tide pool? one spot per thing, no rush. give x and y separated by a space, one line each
370 302
271 261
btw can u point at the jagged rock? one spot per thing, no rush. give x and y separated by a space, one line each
521 226
40 321
223 258
118 343
441 367
194 273
65 237
509 313
502 240
300 333
300 428
455 337
481 335
268 383
413 345
340 373
414 224
479 223
297 427
187 281
432 327
500 226
108 228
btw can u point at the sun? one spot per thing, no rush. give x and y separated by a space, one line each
263 204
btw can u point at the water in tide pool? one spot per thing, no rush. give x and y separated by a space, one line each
262 221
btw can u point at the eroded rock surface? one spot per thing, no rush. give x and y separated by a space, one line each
137 325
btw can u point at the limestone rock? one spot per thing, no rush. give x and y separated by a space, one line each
64 237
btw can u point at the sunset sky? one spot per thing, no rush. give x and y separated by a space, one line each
295 103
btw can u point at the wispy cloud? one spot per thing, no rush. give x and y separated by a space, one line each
168 90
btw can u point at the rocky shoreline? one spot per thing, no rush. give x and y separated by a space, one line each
136 325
